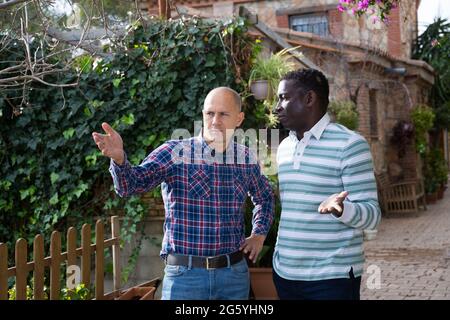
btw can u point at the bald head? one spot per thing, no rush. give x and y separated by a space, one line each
221 115
224 95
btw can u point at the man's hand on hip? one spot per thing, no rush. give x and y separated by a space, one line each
110 144
253 245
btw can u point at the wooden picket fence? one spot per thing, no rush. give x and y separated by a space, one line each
22 267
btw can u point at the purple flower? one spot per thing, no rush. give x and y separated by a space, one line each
341 8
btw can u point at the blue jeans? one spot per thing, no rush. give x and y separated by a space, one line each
187 283
332 289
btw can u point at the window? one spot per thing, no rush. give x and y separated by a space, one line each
312 23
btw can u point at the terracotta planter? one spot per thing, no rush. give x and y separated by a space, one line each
262 284
440 193
261 89
138 293
431 197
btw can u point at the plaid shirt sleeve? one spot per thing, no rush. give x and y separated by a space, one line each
262 197
129 180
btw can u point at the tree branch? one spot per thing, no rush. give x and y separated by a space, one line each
7 4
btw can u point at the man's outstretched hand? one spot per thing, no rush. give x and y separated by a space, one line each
110 143
334 204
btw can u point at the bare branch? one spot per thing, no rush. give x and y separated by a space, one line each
7 4
36 78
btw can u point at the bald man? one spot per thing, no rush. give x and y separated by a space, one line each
204 242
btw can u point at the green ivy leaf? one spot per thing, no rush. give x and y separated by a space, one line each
54 177
87 111
54 200
32 143
69 133
5 184
116 82
91 159
149 140
28 192
24 194
128 119
210 61
82 187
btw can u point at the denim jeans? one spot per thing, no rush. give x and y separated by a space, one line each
332 289
187 283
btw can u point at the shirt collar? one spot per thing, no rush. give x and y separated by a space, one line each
317 130
206 146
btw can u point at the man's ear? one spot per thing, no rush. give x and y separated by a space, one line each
311 98
241 117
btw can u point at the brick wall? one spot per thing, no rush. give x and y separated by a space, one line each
155 204
394 34
364 111
335 23
283 21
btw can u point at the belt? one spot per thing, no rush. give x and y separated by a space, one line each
205 262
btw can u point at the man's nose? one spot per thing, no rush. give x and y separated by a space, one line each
278 108
216 119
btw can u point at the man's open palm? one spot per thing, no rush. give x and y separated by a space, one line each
110 143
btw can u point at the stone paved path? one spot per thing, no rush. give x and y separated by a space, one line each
412 252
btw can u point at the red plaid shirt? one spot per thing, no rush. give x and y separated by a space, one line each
204 196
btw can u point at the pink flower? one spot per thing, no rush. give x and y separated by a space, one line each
434 43
374 20
341 8
363 4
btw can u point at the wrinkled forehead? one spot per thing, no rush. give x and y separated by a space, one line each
221 103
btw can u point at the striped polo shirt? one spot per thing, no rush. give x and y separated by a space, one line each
329 159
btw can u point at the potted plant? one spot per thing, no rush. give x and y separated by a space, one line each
402 136
262 286
438 168
266 73
430 181
422 117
